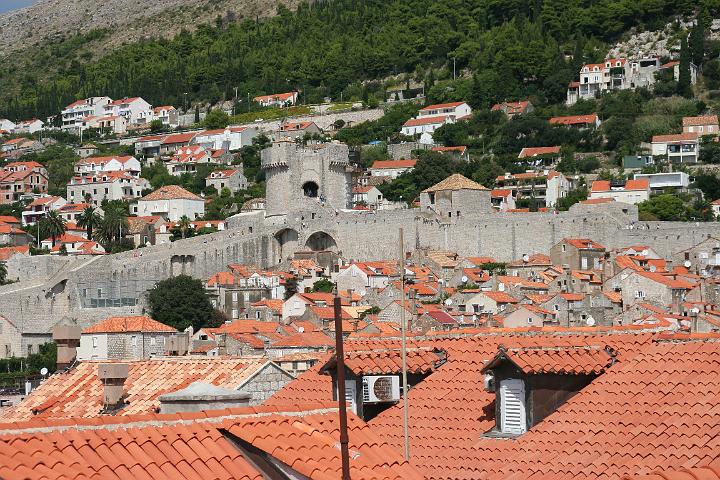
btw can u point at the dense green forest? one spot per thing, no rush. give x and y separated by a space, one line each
328 47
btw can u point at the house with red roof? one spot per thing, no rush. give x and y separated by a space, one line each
168 115
117 185
234 290
167 144
391 168
612 74
626 191
679 148
230 138
658 288
432 117
528 315
577 253
134 110
40 206
702 125
22 179
172 202
512 109
546 186
28 126
186 159
577 121
460 151
293 130
125 338
74 115
113 163
502 199
233 179
277 99
487 302
74 245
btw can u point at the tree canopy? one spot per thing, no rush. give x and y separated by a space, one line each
181 302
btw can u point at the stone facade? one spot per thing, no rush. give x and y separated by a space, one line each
265 382
304 176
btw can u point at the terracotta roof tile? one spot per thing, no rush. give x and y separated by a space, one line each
78 392
455 182
129 324
171 192
569 360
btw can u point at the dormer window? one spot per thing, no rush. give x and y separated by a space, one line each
532 383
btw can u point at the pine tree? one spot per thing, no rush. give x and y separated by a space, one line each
684 83
197 113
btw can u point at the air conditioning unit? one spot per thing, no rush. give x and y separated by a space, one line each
381 388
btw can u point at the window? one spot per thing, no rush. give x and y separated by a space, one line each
563 247
95 342
99 293
639 294
234 296
153 341
529 320
512 407
257 314
30 349
133 340
234 313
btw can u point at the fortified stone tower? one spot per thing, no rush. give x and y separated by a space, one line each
299 177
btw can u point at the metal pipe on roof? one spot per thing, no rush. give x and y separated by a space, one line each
340 357
403 329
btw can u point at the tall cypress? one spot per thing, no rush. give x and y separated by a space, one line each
684 79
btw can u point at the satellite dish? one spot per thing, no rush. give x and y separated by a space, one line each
448 302
526 258
644 253
501 287
301 329
590 322
652 268
43 371
464 279
441 281
695 310
687 263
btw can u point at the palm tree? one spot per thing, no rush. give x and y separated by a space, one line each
52 225
184 225
89 219
114 224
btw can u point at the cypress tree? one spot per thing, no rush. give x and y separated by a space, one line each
684 79
697 41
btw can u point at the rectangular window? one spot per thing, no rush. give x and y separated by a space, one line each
234 296
95 342
234 313
133 340
512 407
153 341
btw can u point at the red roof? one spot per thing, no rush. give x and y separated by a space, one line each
305 339
677 137
382 164
129 324
702 120
275 97
372 362
500 297
178 138
500 193
535 151
558 360
7 252
442 105
600 186
511 108
415 122
461 149
575 119
202 445
669 281
584 244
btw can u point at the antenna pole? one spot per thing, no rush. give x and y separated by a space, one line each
342 407
403 329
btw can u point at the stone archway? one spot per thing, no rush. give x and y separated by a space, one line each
287 243
321 242
311 189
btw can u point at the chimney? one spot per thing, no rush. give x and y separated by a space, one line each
113 376
177 344
200 396
67 339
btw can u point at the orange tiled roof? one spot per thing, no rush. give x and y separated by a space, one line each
376 362
678 137
414 122
171 192
632 418
574 119
305 339
438 106
702 120
129 324
500 297
78 392
381 164
199 446
534 151
570 360
584 244
7 252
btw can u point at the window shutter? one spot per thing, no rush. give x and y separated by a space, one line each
350 395
512 406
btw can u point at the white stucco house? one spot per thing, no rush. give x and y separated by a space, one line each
113 163
631 191
171 202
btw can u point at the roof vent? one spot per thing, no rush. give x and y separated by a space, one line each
67 339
